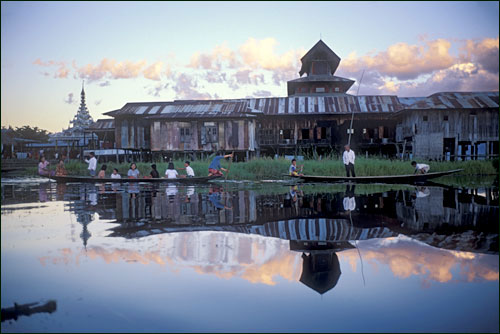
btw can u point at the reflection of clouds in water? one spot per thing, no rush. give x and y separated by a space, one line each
226 255
261 260
406 257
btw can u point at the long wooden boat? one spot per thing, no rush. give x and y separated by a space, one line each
404 179
88 179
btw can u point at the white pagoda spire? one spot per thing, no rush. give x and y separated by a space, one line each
82 119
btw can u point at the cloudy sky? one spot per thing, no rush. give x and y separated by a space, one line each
163 51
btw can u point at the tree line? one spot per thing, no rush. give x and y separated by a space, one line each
27 132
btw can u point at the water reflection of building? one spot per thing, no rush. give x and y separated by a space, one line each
320 264
295 217
451 216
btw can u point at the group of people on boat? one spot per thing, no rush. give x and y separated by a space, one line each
134 173
214 169
171 172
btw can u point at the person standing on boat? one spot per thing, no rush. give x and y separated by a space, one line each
420 168
133 172
215 167
349 158
92 164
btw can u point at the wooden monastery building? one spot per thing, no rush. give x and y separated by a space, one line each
315 118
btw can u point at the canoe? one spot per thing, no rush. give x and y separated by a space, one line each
404 179
88 179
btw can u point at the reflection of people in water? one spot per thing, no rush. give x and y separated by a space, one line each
295 192
171 190
349 199
133 189
93 197
189 193
422 192
42 192
215 195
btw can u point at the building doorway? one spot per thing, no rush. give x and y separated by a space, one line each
449 149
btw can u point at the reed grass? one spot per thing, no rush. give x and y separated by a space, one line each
272 169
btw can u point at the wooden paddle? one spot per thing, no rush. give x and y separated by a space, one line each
230 161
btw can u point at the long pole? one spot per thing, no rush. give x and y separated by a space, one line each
230 161
352 116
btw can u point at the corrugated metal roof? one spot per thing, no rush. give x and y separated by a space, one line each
331 104
186 109
453 100
103 124
304 105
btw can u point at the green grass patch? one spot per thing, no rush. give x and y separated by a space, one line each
273 169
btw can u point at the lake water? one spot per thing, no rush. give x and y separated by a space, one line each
248 257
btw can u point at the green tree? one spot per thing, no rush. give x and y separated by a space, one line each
27 132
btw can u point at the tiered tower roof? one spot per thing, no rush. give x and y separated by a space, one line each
320 64
82 119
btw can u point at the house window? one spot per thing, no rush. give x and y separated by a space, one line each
305 134
426 118
286 134
209 133
337 89
186 135
320 89
266 137
445 117
321 133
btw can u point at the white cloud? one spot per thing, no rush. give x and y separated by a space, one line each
153 72
419 69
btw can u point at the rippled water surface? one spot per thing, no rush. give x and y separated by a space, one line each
248 257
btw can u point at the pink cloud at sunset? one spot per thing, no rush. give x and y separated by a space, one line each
402 69
407 258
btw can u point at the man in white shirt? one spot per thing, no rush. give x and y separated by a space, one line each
420 168
92 164
349 158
